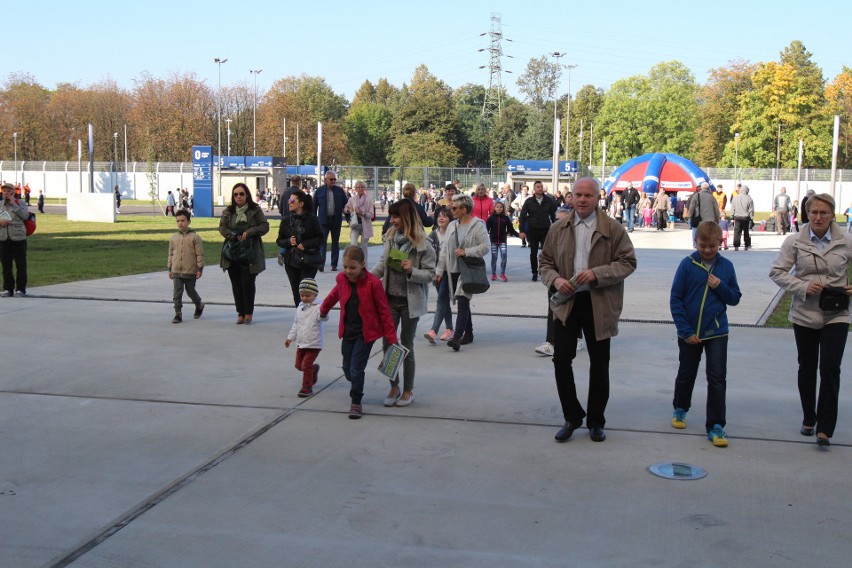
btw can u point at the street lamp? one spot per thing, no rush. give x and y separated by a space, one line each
254 72
15 140
115 155
228 120
568 113
736 155
219 62
556 55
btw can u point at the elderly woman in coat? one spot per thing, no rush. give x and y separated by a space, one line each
466 236
807 265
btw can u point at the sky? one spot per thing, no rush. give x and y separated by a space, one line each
349 42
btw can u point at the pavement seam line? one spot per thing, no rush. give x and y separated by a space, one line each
161 495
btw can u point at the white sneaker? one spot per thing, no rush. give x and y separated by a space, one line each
5 294
545 349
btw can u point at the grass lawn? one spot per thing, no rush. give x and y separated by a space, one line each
778 318
67 251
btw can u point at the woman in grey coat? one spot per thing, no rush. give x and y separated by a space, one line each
466 236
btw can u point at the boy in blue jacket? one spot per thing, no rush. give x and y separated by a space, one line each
704 285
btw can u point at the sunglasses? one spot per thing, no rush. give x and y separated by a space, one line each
292 200
239 194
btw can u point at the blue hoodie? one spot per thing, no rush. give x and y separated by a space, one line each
698 309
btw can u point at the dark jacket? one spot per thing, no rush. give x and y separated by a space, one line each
321 204
630 197
304 227
425 219
535 215
498 227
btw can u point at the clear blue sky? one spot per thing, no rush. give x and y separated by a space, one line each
348 42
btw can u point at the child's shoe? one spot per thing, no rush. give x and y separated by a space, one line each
493 277
355 411
431 336
679 418
503 278
305 392
199 309
178 318
718 437
447 335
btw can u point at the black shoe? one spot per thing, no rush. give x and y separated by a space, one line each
466 338
535 277
565 432
199 309
177 318
597 434
454 343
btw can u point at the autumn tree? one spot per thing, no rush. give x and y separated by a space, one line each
539 80
839 96
305 101
718 102
24 106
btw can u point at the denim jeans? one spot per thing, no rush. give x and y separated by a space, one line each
464 320
630 214
717 368
443 310
334 230
355 355
504 251
823 349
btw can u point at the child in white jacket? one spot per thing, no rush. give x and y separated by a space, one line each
307 333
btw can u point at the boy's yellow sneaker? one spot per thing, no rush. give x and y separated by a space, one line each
718 437
679 418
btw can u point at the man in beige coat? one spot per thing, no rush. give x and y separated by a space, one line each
586 257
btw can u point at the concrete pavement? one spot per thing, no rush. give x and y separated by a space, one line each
129 441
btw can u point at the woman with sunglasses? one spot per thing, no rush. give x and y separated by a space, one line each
300 238
243 220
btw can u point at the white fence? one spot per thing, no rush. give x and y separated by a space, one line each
58 179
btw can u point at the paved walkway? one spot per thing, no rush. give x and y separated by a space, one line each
129 441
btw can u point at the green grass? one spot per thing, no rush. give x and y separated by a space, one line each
68 251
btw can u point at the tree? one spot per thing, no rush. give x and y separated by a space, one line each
538 82
470 129
536 142
785 104
368 133
169 116
839 96
718 102
584 111
305 101
425 114
643 114
24 105
504 139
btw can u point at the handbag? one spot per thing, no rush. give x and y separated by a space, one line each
474 279
239 252
833 299
301 258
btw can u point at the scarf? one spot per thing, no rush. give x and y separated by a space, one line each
401 242
241 214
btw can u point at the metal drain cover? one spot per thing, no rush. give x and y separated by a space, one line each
675 470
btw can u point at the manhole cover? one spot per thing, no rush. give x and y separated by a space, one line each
674 470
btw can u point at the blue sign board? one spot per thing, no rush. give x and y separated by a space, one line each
265 162
232 162
541 166
202 181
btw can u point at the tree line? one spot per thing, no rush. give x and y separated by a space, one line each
747 114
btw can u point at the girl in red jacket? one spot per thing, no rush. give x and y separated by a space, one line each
364 317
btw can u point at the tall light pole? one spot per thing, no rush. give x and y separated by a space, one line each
255 72
568 113
228 120
737 156
219 62
115 155
556 55
15 141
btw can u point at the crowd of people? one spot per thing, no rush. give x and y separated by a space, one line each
579 250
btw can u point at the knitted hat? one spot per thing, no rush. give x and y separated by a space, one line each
309 285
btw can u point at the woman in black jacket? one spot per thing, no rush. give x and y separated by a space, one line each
300 237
